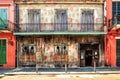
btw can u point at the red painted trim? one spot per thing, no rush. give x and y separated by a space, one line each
10 50
4 4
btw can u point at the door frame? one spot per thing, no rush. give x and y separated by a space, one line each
82 61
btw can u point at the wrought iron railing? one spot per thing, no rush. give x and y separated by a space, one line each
59 27
7 25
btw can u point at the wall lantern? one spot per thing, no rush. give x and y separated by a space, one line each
10 42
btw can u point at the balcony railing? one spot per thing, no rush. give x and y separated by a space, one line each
60 27
7 25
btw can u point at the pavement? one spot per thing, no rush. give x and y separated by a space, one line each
63 77
54 71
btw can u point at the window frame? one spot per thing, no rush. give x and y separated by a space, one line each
87 26
115 11
61 23
6 23
33 24
61 50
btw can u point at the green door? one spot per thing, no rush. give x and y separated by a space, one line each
3 18
3 51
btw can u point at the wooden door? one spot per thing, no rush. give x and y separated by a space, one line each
2 51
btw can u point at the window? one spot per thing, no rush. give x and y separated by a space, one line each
60 20
87 20
116 11
118 52
2 51
33 20
28 49
3 18
61 48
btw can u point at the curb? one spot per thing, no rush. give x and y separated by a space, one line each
2 75
58 73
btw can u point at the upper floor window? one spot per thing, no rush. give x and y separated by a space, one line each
3 18
60 20
87 20
116 11
33 20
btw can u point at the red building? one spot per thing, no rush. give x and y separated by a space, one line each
7 39
112 39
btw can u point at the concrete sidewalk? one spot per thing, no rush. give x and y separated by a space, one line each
63 77
57 71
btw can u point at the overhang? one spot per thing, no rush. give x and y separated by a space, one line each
58 33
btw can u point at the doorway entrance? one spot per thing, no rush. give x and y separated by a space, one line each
89 53
88 58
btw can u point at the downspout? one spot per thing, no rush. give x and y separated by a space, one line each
16 27
105 50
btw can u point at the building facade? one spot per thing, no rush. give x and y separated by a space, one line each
113 36
55 33
7 39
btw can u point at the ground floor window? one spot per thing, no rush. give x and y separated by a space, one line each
2 51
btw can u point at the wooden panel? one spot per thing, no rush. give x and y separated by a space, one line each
2 51
60 57
3 18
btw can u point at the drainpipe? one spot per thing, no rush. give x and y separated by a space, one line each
16 25
17 51
105 50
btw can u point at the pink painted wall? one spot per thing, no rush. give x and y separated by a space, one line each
108 11
5 34
10 5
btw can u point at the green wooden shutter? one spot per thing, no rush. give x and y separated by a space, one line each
3 18
3 51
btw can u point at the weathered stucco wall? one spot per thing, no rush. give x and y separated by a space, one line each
45 47
74 11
